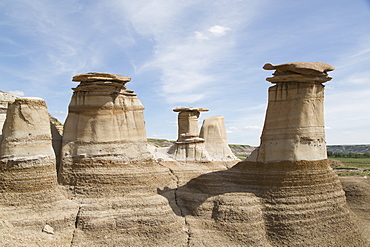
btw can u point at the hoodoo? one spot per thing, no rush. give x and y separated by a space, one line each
104 132
5 98
304 200
189 147
294 123
107 163
27 159
214 134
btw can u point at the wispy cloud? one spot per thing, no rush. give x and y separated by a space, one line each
185 52
17 93
218 30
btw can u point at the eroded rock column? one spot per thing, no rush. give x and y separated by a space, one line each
5 98
214 133
27 159
104 141
189 146
294 123
304 202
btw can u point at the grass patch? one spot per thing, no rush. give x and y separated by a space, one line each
344 174
352 160
241 157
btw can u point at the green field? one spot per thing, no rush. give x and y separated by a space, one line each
360 166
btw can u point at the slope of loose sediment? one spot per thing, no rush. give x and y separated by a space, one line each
137 219
260 204
357 191
23 225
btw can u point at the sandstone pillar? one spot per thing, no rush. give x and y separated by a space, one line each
214 133
104 143
303 198
27 159
5 98
189 146
294 124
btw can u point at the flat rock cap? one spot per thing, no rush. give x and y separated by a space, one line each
180 109
97 76
304 68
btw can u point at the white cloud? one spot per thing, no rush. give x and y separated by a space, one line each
186 48
17 93
201 36
219 30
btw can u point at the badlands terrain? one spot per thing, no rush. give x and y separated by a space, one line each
99 182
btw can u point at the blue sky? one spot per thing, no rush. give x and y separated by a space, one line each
199 53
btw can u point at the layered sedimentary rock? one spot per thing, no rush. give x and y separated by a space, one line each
106 161
26 154
304 201
104 130
285 194
189 147
214 134
29 194
5 98
294 124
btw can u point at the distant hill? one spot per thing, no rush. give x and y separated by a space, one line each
349 148
243 151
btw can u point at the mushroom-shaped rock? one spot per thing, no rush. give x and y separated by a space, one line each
189 147
95 76
299 72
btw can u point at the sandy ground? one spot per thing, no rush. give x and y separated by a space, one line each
357 190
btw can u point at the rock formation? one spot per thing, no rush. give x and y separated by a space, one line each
29 194
189 147
5 98
303 197
107 164
285 194
105 128
214 134
26 154
294 124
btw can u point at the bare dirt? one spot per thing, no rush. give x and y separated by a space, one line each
357 191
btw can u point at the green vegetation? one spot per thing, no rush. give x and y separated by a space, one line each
344 174
239 146
348 155
241 157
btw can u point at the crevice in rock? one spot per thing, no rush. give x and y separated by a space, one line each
76 225
182 213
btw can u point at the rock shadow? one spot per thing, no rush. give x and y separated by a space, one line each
187 199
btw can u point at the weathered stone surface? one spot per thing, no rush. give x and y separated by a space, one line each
5 98
214 133
300 72
294 124
97 77
29 194
102 124
27 160
106 161
189 147
128 198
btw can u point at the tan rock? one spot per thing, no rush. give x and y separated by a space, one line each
189 147
104 141
294 124
5 98
214 133
27 158
300 72
106 163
